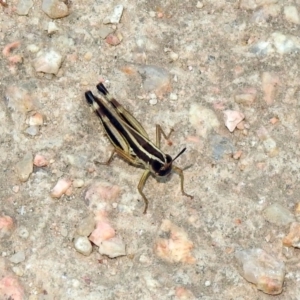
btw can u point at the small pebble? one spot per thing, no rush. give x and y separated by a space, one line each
102 232
261 269
199 4
55 9
33 48
52 28
88 56
261 48
173 96
173 56
173 244
86 226
78 183
23 7
83 245
293 237
47 61
232 118
40 161
16 189
291 14
19 271
284 44
248 4
24 167
116 15
11 288
182 293
101 194
114 39
61 187
153 101
203 119
152 14
36 120
279 215
113 247
104 31
269 84
17 257
6 226
246 98
156 79
207 283
32 130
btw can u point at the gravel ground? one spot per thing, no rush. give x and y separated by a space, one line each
224 75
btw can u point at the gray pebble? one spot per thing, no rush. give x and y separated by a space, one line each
105 31
32 130
17 257
86 226
83 245
278 214
23 7
25 167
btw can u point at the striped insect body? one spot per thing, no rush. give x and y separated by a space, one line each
131 141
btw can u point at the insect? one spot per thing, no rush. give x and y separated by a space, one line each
131 141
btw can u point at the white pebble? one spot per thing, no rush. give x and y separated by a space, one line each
152 14
291 14
47 61
207 283
83 245
116 15
173 56
199 4
78 183
33 48
52 28
153 101
283 43
113 247
173 96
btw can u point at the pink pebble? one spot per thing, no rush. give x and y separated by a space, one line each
269 83
232 118
102 232
10 288
6 225
40 161
61 187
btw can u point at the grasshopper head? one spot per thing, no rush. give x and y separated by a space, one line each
162 170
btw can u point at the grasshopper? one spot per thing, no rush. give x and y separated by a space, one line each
131 141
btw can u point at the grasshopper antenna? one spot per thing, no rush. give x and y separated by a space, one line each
179 154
